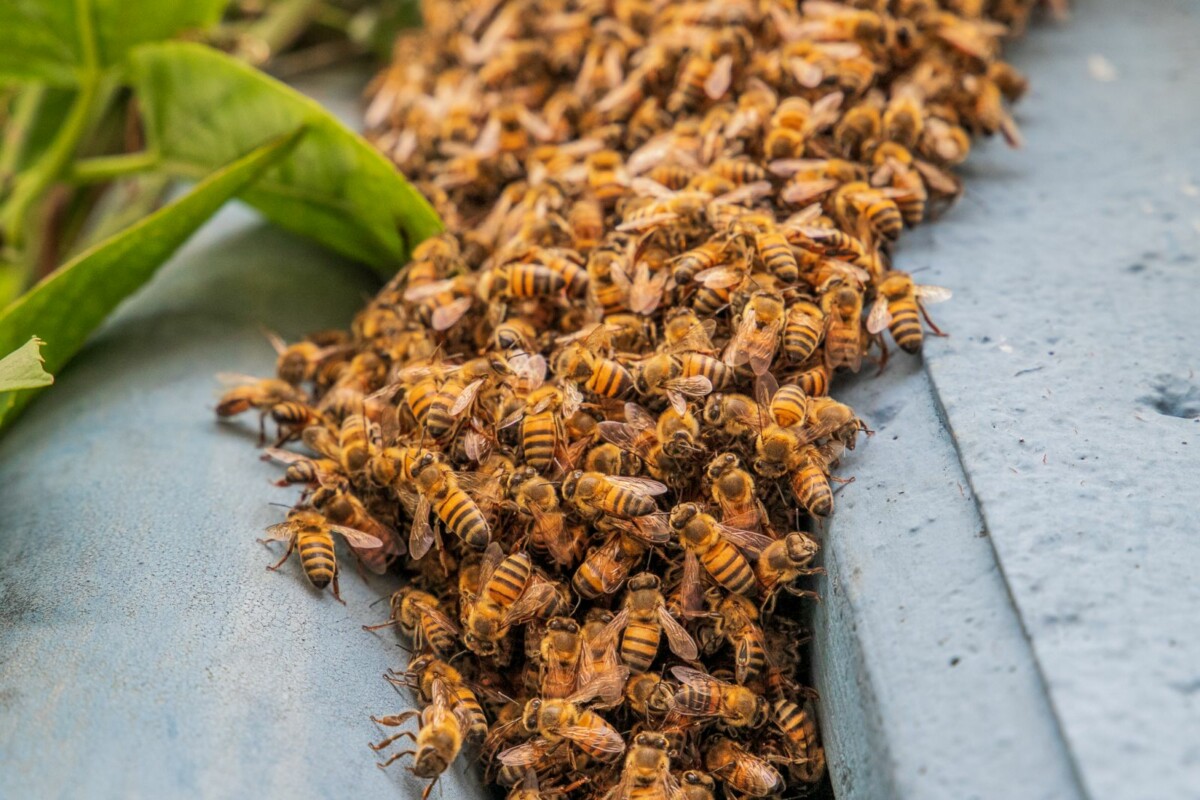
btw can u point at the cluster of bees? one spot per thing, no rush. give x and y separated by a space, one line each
591 421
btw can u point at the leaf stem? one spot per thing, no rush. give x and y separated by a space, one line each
106 168
24 109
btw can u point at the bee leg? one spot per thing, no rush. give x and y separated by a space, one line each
377 746
883 355
929 321
262 428
291 546
337 595
429 788
802 593
393 720
396 757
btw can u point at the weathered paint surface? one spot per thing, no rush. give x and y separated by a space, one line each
1070 389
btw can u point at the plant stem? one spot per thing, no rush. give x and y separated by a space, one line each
24 109
107 168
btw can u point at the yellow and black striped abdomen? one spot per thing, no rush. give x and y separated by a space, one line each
639 645
709 301
317 556
420 397
776 254
609 378
815 381
438 421
716 370
459 513
508 581
590 719
435 637
353 443
811 487
749 656
729 568
885 217
624 503
472 713
533 280
906 325
539 439
789 406
801 335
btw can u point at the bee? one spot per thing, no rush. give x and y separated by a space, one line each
541 433
437 487
268 395
438 740
806 761
786 559
335 500
713 544
810 476
662 376
803 330
643 620
740 770
607 177
586 220
559 650
577 361
420 619
667 446
789 406
858 127
709 255
631 332
842 304
829 418
647 771
593 494
515 335
700 77
610 459
733 491
758 330
299 362
734 706
738 624
697 785
896 306
425 671
649 695
815 380
537 497
312 534
558 721
605 568
859 204
509 593
737 416
520 281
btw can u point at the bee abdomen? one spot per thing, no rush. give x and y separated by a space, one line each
885 218
730 569
509 579
717 371
639 645
906 327
460 514
609 379
318 559
813 492
539 439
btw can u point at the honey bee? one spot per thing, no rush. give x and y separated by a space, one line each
509 593
806 761
740 770
803 330
515 335
896 307
593 494
733 491
587 224
784 560
858 127
713 544
668 446
859 205
299 362
697 785
734 706
605 568
737 416
607 177
438 488
662 376
810 476
559 650
757 336
649 695
420 619
541 433
313 535
738 624
438 740
520 281
647 770
829 418
789 406
537 497
643 620
708 255
335 500
426 670
558 721
815 380
268 395
842 304
577 361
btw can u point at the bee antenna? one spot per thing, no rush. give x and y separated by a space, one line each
281 505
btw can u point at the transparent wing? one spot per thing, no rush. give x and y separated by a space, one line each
280 532
880 317
718 81
445 317
524 755
681 642
753 543
638 485
466 397
933 294
421 536
601 739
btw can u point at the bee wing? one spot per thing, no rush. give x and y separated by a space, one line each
602 739
424 291
718 81
488 143
880 317
681 642
492 557
572 399
653 528
476 445
277 342
607 685
831 102
524 755
557 538
537 126
638 485
445 317
439 618
754 771
639 418
698 338
420 537
623 435
529 368
234 379
280 532
466 397
804 216
612 630
646 223
933 294
765 387
787 167
357 538
321 440
753 543
693 386
691 591
532 600
285 456
512 419
719 277
937 178
646 294
747 193
804 192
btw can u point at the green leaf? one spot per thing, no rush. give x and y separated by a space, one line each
61 41
200 107
22 368
72 302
